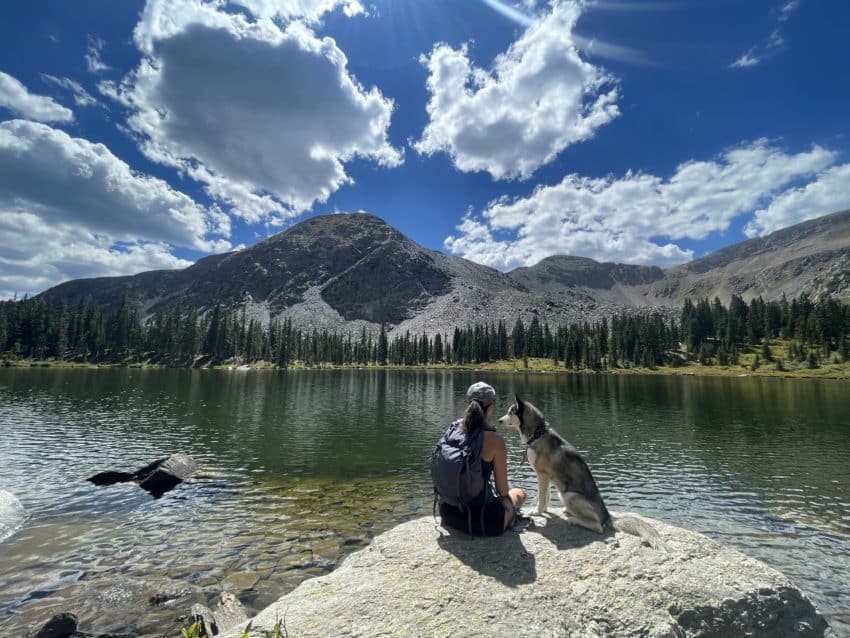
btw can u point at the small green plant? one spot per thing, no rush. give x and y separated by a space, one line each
194 631
278 631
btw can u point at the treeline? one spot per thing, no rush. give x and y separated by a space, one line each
713 333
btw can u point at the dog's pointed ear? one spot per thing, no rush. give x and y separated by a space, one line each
519 404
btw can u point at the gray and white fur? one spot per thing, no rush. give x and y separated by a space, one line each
559 464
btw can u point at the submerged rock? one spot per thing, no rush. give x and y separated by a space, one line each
553 579
157 478
12 514
60 626
113 606
240 581
64 625
228 613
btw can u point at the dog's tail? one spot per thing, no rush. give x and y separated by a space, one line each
638 527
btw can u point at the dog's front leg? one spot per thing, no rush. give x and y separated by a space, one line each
542 493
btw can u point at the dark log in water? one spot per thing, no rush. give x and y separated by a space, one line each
157 478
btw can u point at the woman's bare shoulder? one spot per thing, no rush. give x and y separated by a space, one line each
493 441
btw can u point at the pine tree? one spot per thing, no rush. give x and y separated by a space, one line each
212 341
62 326
189 336
518 339
502 338
382 346
535 338
438 348
613 351
704 356
4 328
121 330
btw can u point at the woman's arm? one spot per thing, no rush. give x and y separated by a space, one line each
496 451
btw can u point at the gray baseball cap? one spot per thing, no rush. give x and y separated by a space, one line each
481 392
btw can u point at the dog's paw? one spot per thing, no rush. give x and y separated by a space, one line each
540 509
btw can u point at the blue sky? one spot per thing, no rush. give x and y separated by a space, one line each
138 135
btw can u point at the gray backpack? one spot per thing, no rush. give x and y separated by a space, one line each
456 469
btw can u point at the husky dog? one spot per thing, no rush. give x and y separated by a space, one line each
558 463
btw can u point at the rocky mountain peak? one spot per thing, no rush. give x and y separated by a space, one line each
355 270
562 271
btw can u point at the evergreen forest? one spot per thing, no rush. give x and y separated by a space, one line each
704 331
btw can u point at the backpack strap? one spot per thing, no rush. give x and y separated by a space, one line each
466 455
479 434
434 507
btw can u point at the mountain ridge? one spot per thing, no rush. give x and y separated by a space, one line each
356 271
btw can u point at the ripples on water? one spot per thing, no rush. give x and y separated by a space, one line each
299 469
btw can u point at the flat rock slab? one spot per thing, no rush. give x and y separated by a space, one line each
553 579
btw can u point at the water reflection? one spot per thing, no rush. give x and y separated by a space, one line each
299 469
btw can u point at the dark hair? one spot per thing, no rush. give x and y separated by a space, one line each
473 417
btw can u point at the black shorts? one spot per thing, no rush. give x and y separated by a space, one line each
494 518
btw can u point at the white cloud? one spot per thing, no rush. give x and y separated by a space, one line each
760 52
93 61
81 96
769 47
747 60
308 10
69 208
264 116
622 219
827 194
15 97
36 256
703 197
539 98
787 9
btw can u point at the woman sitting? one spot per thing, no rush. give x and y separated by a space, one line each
488 514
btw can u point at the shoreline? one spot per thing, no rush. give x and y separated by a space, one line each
835 371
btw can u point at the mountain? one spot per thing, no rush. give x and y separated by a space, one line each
354 271
328 271
811 257
560 272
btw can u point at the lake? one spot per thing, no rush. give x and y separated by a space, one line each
298 469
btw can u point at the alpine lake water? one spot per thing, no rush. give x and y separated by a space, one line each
299 469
